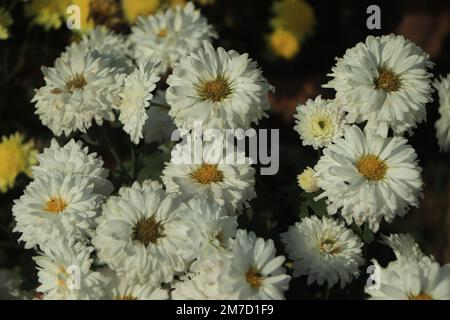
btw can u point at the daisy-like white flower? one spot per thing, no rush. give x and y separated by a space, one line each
54 205
324 250
160 125
135 99
74 159
403 245
384 80
319 122
219 88
411 279
64 271
170 35
211 227
307 180
369 177
443 124
121 288
206 280
255 272
81 87
142 234
229 179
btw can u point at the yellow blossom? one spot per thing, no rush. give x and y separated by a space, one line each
135 8
284 44
295 16
307 180
15 157
47 13
5 22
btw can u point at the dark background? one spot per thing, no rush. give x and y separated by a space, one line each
243 25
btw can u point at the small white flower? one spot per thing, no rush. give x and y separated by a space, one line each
142 234
255 272
411 279
384 80
64 271
54 205
369 177
219 88
74 159
319 122
403 245
135 99
443 124
307 180
167 36
105 41
122 288
222 179
81 87
324 250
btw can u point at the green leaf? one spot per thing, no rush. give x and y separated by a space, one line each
367 235
319 208
152 166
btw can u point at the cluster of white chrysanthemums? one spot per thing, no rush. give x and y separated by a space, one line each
367 172
176 240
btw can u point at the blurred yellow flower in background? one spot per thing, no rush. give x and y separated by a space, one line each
205 2
284 44
5 22
15 157
293 19
135 8
49 14
174 3
86 21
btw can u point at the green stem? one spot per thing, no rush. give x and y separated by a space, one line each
114 153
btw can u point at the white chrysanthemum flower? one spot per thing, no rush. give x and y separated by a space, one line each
211 228
229 179
307 180
170 35
206 280
135 99
255 272
443 124
369 177
122 288
403 245
81 87
142 234
319 122
74 159
410 279
55 205
10 282
160 125
384 80
64 272
324 250
219 88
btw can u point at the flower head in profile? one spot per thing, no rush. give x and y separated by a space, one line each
385 81
368 177
307 180
443 124
324 250
16 157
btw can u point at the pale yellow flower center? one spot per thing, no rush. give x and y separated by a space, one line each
148 231
330 246
55 205
254 278
214 90
321 126
371 167
420 296
162 33
76 82
387 80
126 297
208 173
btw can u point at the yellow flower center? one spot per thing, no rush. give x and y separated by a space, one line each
254 278
62 276
162 33
214 90
330 246
207 173
55 205
284 44
387 80
420 296
126 297
371 167
76 82
148 231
